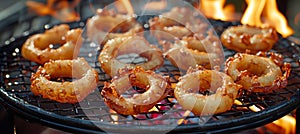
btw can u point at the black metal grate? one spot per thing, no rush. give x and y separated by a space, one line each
15 86
87 116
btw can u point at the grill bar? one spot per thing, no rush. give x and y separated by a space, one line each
92 112
16 89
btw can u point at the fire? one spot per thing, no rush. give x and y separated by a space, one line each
279 22
62 10
183 121
124 6
153 109
156 5
284 125
269 10
215 9
253 13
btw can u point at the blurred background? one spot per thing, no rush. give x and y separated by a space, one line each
16 11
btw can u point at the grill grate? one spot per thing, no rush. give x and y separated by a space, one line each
15 81
86 116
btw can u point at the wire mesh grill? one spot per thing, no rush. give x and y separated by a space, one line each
16 72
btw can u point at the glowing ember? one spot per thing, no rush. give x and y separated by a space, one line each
60 9
153 109
114 116
183 121
215 9
286 124
267 8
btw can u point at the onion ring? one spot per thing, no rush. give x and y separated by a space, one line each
126 45
36 48
244 37
187 91
258 73
107 24
193 51
64 92
156 86
177 23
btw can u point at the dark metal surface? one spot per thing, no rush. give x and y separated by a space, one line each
93 116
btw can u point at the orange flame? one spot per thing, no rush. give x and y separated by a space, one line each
284 125
62 10
183 121
156 5
268 8
279 22
153 109
215 9
124 6
253 12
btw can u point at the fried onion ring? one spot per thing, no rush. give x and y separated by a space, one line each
107 24
177 23
258 73
64 92
198 80
127 45
193 51
156 86
37 47
244 37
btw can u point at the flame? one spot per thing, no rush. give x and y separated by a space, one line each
269 10
253 12
215 9
284 125
62 10
39 8
153 109
183 121
279 22
124 6
156 5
